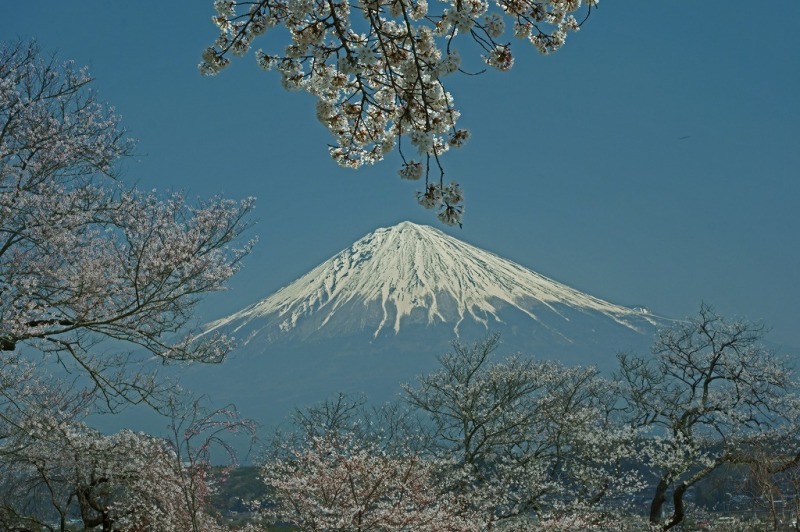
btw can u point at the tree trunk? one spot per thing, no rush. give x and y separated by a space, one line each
659 498
677 500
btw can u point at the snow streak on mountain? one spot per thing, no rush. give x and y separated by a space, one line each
410 273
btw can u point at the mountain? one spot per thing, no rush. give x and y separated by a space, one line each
379 312
412 274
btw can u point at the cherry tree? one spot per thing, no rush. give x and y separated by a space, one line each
345 465
525 438
125 481
709 394
773 482
199 437
30 400
392 426
91 271
340 482
96 280
54 467
377 68
509 445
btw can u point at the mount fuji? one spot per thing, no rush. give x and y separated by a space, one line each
379 313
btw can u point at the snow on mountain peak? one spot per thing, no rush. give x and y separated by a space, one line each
411 269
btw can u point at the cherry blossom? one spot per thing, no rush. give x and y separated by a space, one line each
525 438
54 467
519 444
377 66
96 279
338 482
82 257
709 395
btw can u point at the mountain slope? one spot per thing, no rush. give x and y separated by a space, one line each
412 274
381 311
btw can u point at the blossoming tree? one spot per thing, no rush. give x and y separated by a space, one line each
519 444
84 260
95 280
525 438
377 68
341 482
510 445
773 483
54 467
710 394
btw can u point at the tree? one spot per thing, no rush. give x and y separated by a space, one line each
340 482
773 480
710 393
125 481
53 465
32 403
95 280
391 426
377 67
524 437
84 261
346 466
195 433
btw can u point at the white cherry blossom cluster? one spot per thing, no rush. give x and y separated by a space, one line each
54 464
336 481
708 395
376 66
524 437
449 199
129 479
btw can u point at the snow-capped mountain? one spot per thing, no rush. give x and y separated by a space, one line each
413 274
381 311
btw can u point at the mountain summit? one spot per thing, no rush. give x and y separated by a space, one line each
412 274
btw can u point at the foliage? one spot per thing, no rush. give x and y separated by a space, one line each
519 444
492 445
377 68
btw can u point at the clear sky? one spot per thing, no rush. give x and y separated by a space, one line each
653 161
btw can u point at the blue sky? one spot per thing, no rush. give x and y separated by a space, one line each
653 161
